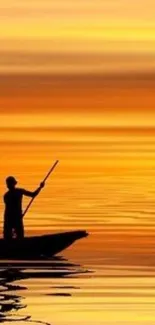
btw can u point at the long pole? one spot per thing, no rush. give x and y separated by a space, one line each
44 180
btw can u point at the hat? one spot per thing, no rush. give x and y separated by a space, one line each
11 180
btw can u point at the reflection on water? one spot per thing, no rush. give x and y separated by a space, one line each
58 292
11 301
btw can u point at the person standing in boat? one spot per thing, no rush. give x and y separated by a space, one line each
13 219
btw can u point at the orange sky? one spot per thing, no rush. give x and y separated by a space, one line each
98 101
77 80
86 61
77 84
77 37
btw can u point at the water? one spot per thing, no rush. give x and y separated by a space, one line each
105 185
40 292
61 292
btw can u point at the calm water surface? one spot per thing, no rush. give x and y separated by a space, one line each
104 184
63 292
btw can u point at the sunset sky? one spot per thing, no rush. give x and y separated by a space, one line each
51 51
77 84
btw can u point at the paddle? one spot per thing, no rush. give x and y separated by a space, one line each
48 174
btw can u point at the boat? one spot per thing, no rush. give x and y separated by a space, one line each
37 247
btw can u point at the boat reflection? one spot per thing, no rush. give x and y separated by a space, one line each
11 302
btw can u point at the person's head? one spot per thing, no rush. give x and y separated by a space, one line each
11 182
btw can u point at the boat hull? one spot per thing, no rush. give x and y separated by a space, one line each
38 247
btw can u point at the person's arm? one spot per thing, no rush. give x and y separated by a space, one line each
35 193
5 199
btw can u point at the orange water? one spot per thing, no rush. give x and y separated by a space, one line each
104 184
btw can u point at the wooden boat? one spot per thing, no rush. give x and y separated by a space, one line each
38 247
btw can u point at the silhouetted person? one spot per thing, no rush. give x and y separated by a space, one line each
13 219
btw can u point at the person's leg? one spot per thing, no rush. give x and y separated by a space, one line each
7 231
19 229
